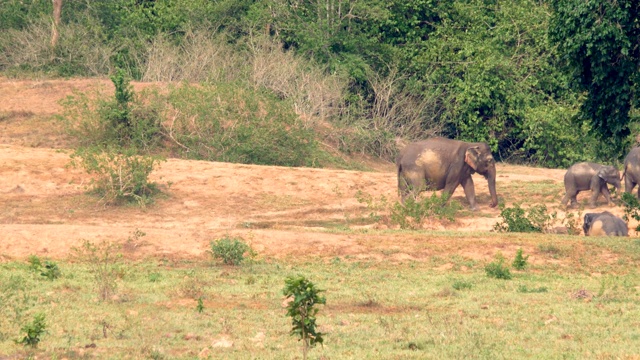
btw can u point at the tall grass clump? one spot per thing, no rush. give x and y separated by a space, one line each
234 123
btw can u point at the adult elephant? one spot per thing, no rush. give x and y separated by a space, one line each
631 173
438 163
590 176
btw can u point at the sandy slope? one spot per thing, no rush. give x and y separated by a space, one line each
282 212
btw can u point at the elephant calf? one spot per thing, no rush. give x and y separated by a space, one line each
590 176
604 224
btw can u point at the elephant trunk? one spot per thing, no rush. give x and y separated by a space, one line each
491 179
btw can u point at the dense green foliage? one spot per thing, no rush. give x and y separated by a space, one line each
477 70
598 42
517 219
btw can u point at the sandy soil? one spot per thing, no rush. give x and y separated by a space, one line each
282 212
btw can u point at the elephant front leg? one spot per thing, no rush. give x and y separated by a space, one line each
596 186
469 192
607 194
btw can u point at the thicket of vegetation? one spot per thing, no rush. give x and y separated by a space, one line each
537 80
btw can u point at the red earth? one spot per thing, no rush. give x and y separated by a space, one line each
282 212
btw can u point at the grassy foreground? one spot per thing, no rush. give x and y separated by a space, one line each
571 305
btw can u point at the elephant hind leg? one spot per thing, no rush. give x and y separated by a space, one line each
572 196
410 184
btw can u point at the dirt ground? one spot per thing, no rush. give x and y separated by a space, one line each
282 212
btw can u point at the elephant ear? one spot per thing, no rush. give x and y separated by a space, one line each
471 157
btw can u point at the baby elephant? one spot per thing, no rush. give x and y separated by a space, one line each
604 223
590 176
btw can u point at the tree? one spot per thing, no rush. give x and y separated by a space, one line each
599 44
57 12
304 296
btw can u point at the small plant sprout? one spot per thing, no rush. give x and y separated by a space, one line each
520 261
34 330
497 269
200 306
304 296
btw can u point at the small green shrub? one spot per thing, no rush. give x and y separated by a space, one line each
302 311
35 264
412 213
517 219
104 263
497 269
631 206
524 289
230 250
374 206
34 330
461 285
120 176
520 261
50 271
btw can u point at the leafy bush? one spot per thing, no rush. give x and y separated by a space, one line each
520 261
412 213
517 219
497 269
304 297
34 330
49 269
127 120
631 206
230 250
120 176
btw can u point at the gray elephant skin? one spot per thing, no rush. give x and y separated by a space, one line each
443 164
604 224
631 171
590 176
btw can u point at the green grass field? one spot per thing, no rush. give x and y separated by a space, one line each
578 298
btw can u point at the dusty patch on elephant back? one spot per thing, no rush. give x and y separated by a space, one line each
427 158
431 162
596 229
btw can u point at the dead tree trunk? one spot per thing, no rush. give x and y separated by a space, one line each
57 12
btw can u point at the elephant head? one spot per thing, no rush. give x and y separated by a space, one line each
479 158
611 175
